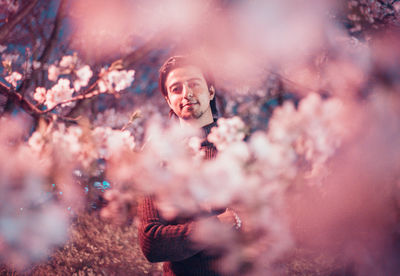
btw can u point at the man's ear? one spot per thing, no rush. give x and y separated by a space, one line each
167 99
212 91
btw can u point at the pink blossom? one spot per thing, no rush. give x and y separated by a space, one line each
59 93
228 131
11 6
53 72
36 142
13 78
111 142
36 64
31 224
10 58
40 94
69 139
111 118
84 74
68 61
116 80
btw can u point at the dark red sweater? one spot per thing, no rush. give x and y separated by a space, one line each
170 241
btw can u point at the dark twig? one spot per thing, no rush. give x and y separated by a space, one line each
53 36
51 42
17 98
89 93
16 19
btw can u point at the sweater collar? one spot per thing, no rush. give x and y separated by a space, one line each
207 128
205 131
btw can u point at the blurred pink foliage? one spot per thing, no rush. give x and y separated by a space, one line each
319 172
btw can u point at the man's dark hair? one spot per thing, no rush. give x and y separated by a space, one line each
183 61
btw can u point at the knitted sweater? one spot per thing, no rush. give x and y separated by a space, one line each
170 241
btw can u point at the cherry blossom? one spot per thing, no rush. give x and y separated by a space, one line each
36 142
53 72
11 6
31 221
107 139
84 74
116 80
68 61
40 94
14 78
228 131
59 93
10 58
36 64
111 118
303 152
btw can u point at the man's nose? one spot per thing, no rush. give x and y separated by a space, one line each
187 92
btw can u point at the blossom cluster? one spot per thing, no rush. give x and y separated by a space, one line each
309 133
183 185
364 15
251 177
110 81
11 6
71 64
83 145
312 130
32 221
112 142
115 80
62 91
111 118
228 131
13 78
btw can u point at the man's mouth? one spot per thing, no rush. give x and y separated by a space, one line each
189 104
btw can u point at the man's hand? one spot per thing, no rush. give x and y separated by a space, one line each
230 218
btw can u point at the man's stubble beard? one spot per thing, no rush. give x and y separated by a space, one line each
193 116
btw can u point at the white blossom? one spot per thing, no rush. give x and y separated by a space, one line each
112 142
31 222
59 93
228 131
84 74
40 94
13 78
36 142
68 139
12 6
53 72
194 144
36 64
116 80
10 58
111 118
68 61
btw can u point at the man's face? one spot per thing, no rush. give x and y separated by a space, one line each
188 94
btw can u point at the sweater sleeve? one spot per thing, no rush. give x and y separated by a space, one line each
162 242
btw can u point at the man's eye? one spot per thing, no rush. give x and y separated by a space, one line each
176 89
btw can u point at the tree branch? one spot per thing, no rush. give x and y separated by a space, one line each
89 93
7 28
53 36
47 50
19 100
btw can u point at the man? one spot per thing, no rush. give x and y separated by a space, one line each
190 93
